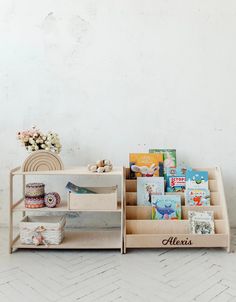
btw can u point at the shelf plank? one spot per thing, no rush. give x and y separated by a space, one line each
62 207
161 240
145 212
80 170
82 239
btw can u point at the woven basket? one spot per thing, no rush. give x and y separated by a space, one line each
53 225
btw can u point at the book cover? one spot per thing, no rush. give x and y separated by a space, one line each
169 157
176 179
145 164
197 197
146 186
166 207
197 179
201 223
78 190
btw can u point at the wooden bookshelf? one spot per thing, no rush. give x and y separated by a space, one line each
143 232
108 238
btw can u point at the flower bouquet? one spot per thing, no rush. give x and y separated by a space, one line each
34 140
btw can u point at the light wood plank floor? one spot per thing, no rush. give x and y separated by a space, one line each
140 275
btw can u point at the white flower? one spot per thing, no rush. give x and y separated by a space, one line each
43 146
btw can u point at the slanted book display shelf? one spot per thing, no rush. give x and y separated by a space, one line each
143 232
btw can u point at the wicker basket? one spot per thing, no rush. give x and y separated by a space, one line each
53 225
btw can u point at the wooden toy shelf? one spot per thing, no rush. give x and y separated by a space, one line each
143 232
81 238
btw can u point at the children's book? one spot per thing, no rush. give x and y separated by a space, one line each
176 179
197 179
201 223
78 190
166 207
197 197
169 157
145 164
146 186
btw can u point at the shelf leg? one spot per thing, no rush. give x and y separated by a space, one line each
23 191
11 214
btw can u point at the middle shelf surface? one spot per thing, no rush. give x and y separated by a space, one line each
62 207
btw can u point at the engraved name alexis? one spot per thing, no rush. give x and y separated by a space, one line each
175 241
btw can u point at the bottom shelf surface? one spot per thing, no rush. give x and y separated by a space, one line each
82 239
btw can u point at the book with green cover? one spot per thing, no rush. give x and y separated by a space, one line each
169 157
78 190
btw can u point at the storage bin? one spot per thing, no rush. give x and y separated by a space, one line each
53 225
103 199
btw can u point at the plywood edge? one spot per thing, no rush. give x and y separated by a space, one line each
222 197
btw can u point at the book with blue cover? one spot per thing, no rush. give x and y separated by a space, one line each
197 197
146 186
166 207
197 179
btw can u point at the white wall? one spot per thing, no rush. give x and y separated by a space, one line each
118 76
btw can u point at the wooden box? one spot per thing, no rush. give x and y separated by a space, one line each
105 199
143 232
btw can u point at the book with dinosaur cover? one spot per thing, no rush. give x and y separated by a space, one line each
145 164
166 207
197 179
201 223
197 197
146 186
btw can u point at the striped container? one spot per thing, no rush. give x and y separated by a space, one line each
34 195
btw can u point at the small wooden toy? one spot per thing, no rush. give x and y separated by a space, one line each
101 166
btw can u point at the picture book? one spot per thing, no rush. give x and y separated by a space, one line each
197 197
146 186
176 179
197 179
145 164
166 207
78 190
201 223
169 157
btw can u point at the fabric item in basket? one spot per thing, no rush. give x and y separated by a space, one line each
52 199
37 237
34 189
42 229
34 202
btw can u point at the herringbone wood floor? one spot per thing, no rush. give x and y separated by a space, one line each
140 275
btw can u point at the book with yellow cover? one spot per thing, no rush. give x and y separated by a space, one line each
146 164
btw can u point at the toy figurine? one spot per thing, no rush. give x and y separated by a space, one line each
101 166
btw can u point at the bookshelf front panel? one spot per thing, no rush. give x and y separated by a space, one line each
176 241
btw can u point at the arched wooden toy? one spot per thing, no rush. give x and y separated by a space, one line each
42 161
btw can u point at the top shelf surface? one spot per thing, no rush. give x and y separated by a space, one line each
117 171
